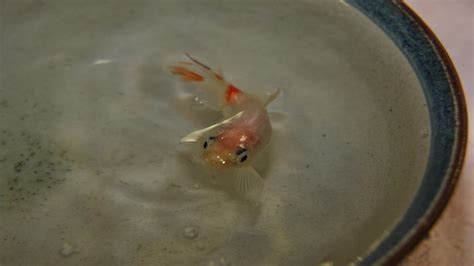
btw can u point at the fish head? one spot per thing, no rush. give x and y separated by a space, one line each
230 148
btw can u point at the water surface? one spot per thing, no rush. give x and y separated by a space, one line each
91 172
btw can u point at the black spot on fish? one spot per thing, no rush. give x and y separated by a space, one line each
240 151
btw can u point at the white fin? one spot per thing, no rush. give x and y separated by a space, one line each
267 97
196 135
247 181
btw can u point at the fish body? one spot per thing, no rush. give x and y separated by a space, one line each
234 143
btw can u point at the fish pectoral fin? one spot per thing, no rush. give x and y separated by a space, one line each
247 181
272 96
196 135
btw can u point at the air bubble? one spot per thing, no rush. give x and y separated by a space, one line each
326 263
190 232
197 186
225 262
198 101
66 250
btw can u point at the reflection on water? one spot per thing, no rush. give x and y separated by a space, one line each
91 172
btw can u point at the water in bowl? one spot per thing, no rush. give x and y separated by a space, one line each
91 172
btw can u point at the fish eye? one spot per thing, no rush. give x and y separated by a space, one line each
242 154
208 141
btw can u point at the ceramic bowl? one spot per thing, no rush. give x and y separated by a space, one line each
448 121
369 132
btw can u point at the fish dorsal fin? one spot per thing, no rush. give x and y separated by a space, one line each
247 181
196 135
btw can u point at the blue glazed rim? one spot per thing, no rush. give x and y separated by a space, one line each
448 117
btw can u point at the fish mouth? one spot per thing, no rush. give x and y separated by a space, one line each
217 160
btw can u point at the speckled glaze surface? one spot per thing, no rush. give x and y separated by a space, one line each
368 132
448 117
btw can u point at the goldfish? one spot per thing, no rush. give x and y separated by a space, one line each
231 145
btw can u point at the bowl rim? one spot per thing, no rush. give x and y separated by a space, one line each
411 229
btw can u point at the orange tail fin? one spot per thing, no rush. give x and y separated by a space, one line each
186 74
213 91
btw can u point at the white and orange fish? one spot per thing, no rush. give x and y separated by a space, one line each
231 145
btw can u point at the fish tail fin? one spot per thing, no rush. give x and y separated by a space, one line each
213 90
185 73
